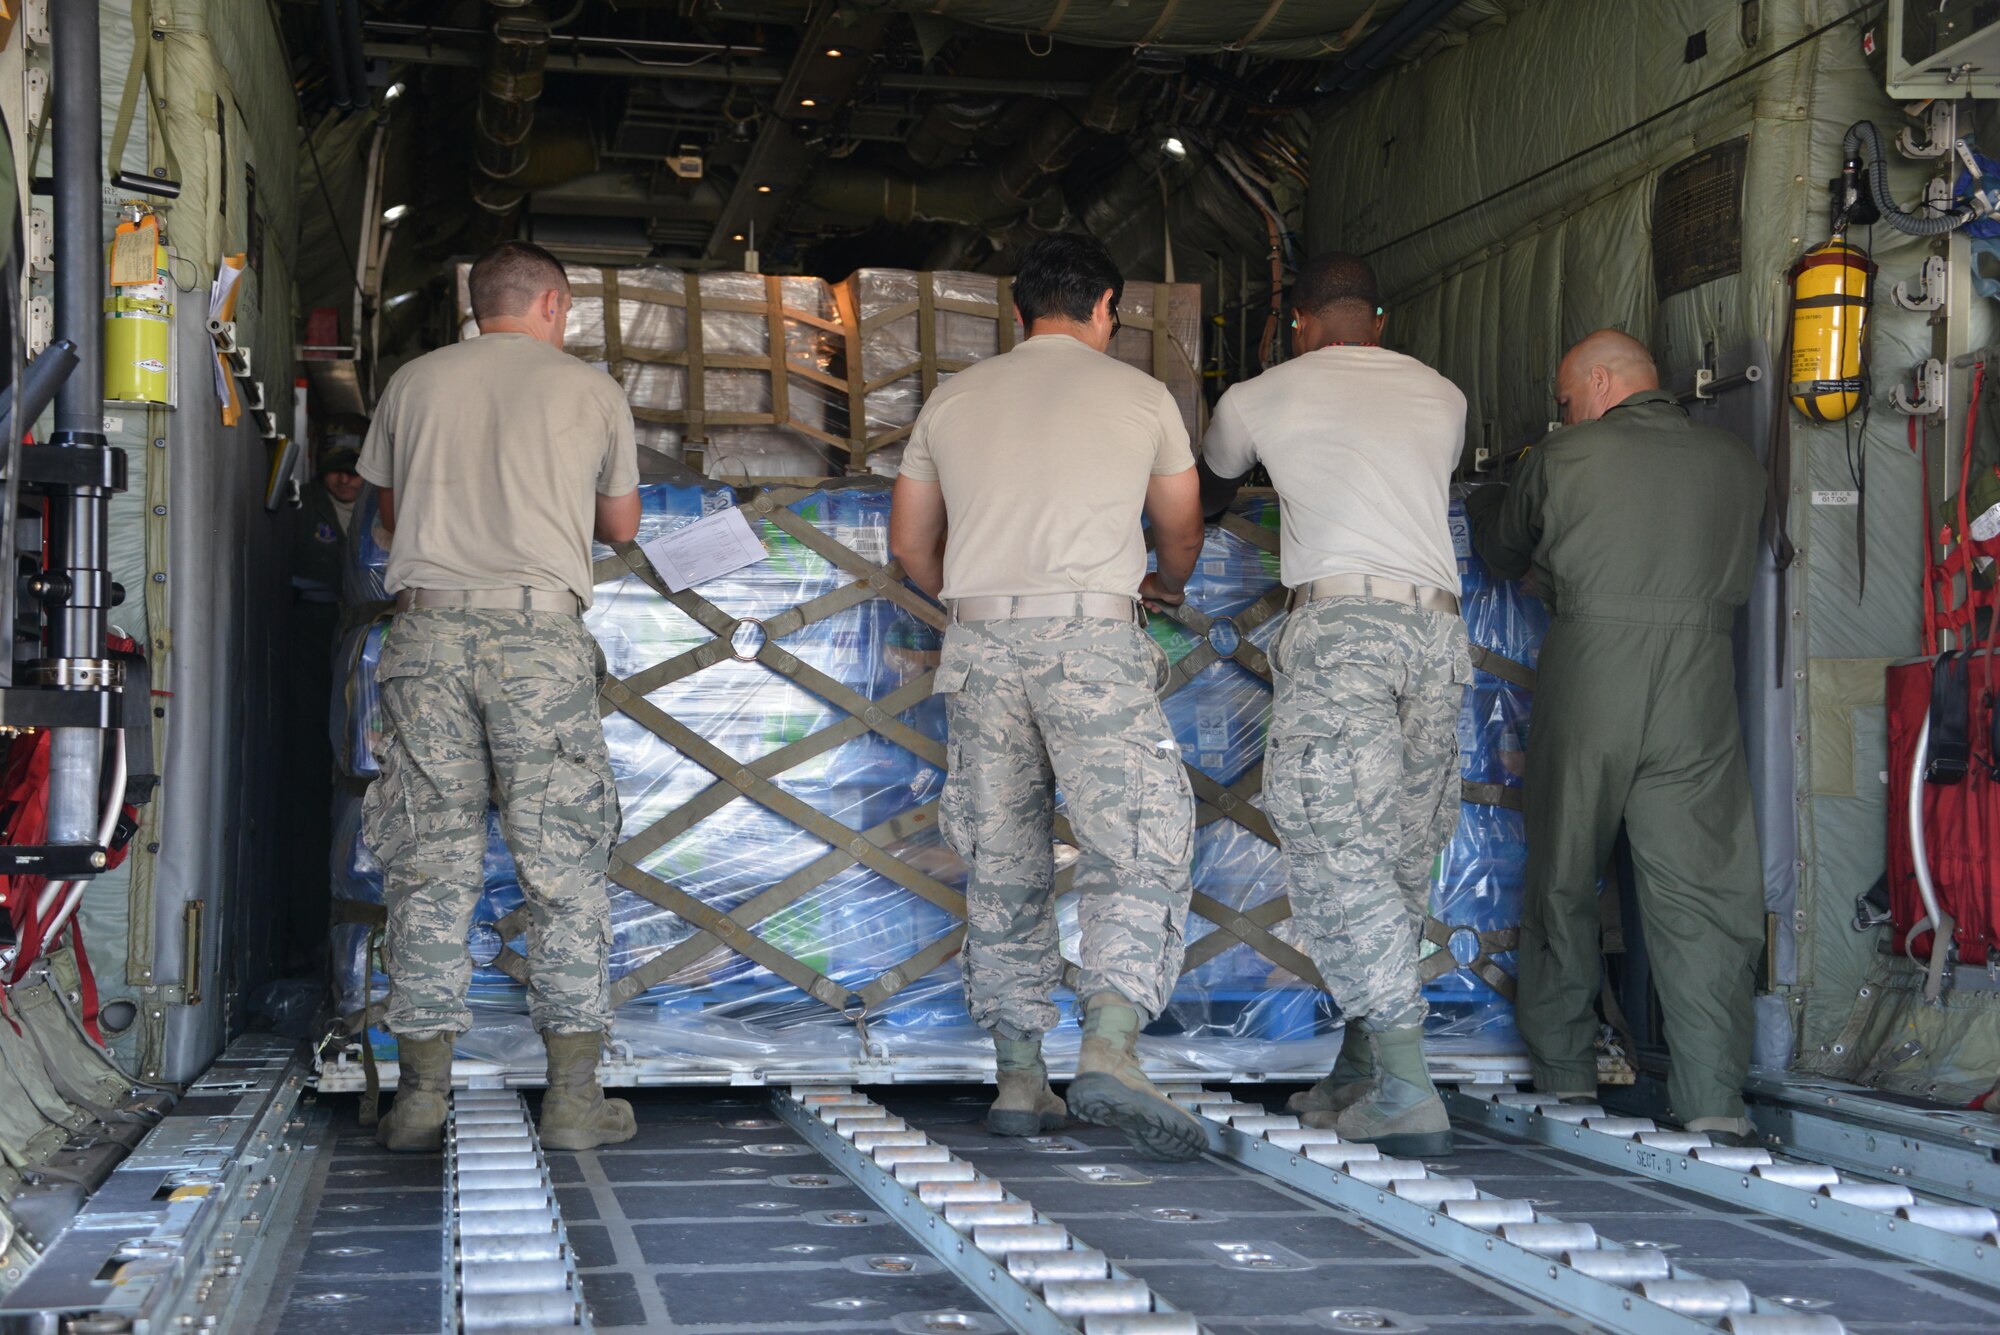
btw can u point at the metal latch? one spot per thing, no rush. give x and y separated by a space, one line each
1928 398
1930 289
35 87
1936 131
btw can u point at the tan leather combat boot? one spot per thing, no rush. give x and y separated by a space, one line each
1026 1106
575 1113
1353 1074
415 1122
1402 1113
1111 1090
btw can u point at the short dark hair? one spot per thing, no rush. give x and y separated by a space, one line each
1064 275
1336 279
506 278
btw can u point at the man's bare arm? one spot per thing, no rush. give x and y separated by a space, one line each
1173 503
916 532
617 518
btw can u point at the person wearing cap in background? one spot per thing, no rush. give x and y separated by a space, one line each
1042 460
1361 769
319 531
1641 527
305 837
498 459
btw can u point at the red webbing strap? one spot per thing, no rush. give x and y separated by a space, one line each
24 813
1927 580
86 981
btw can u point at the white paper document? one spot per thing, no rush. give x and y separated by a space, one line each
704 550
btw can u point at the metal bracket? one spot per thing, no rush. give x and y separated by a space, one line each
35 21
1936 140
71 466
41 325
57 862
35 99
1929 398
36 707
1938 195
1931 287
41 240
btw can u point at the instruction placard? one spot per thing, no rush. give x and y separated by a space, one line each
704 550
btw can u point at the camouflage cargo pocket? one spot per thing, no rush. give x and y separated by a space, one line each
1310 793
952 817
387 827
579 812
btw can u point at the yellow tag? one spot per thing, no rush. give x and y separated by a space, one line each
193 1193
133 254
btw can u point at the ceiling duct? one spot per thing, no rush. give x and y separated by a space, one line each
948 129
1283 29
515 58
1020 183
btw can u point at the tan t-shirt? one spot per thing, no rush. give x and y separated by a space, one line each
1361 443
497 449
1044 455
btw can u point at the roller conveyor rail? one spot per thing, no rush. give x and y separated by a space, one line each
1568 1265
1949 1152
1885 1215
1033 1274
507 1262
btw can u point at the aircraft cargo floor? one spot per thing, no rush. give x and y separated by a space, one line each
723 1218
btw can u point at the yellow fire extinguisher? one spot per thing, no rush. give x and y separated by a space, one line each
139 313
1829 329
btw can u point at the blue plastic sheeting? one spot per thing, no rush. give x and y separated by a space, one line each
720 1011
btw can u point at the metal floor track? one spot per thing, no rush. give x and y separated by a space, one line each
723 1219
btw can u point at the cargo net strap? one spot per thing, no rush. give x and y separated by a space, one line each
1255 927
696 418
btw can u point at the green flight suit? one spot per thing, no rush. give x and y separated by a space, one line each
1642 529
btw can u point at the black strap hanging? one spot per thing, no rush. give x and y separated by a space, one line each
1949 751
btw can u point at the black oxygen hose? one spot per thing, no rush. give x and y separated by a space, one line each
1864 134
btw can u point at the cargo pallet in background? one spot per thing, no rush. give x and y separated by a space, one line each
753 376
783 902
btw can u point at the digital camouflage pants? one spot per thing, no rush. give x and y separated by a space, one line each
499 704
1072 703
1361 784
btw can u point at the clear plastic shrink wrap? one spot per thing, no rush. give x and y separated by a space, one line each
720 1015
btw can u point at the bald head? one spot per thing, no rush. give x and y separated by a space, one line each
1601 372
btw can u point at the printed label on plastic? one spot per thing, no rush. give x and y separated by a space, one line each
1461 535
1986 527
868 541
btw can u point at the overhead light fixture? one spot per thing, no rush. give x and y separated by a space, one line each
395 213
763 189
833 52
398 299
737 237
394 91
807 102
1174 148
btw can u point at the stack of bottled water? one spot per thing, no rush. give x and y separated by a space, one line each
808 897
